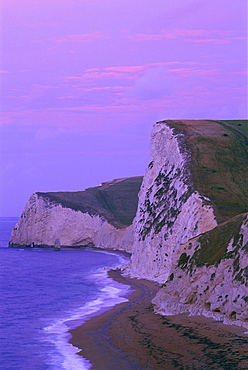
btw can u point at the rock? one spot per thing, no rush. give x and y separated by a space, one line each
100 216
209 275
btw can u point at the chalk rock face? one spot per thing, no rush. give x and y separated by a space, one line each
41 223
98 217
208 281
170 209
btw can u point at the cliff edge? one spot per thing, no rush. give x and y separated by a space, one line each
100 216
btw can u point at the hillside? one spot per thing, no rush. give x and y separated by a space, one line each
101 216
219 162
115 200
240 124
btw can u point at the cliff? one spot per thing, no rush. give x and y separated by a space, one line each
192 206
100 216
209 275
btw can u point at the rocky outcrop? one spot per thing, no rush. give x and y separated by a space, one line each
209 275
170 209
196 180
100 216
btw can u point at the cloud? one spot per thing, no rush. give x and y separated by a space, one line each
122 72
128 69
3 71
84 37
198 36
154 84
164 34
110 74
184 72
209 41
6 118
100 88
105 73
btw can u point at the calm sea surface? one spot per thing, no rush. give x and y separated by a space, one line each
43 294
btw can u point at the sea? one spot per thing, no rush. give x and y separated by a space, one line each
45 293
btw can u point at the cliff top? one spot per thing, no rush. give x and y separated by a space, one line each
115 200
219 162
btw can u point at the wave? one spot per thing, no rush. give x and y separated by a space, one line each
110 294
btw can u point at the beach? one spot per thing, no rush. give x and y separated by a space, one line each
131 336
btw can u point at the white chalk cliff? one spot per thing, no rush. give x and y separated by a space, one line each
190 232
170 211
210 282
186 192
99 216
42 222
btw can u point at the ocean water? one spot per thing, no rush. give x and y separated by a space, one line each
45 293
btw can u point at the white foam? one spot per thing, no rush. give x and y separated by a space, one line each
111 294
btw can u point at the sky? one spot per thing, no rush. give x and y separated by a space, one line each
83 81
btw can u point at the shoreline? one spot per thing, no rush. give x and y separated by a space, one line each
131 336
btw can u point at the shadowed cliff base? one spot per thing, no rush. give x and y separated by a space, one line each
219 162
115 200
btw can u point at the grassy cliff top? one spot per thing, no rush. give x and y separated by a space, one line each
219 162
115 200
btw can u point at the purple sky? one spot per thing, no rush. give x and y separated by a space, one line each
82 82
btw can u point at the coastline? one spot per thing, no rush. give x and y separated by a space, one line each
131 336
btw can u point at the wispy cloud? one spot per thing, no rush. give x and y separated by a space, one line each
83 37
209 41
165 34
128 69
193 71
123 72
102 88
199 36
109 74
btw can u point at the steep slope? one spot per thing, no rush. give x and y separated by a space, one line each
196 180
100 216
115 200
210 275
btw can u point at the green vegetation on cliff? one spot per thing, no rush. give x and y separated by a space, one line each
115 200
224 242
240 124
219 162
214 244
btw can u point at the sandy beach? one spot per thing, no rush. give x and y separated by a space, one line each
131 336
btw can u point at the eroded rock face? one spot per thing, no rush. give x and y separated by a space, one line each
210 282
42 222
170 209
99 216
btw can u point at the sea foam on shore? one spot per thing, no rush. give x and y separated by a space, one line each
111 293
